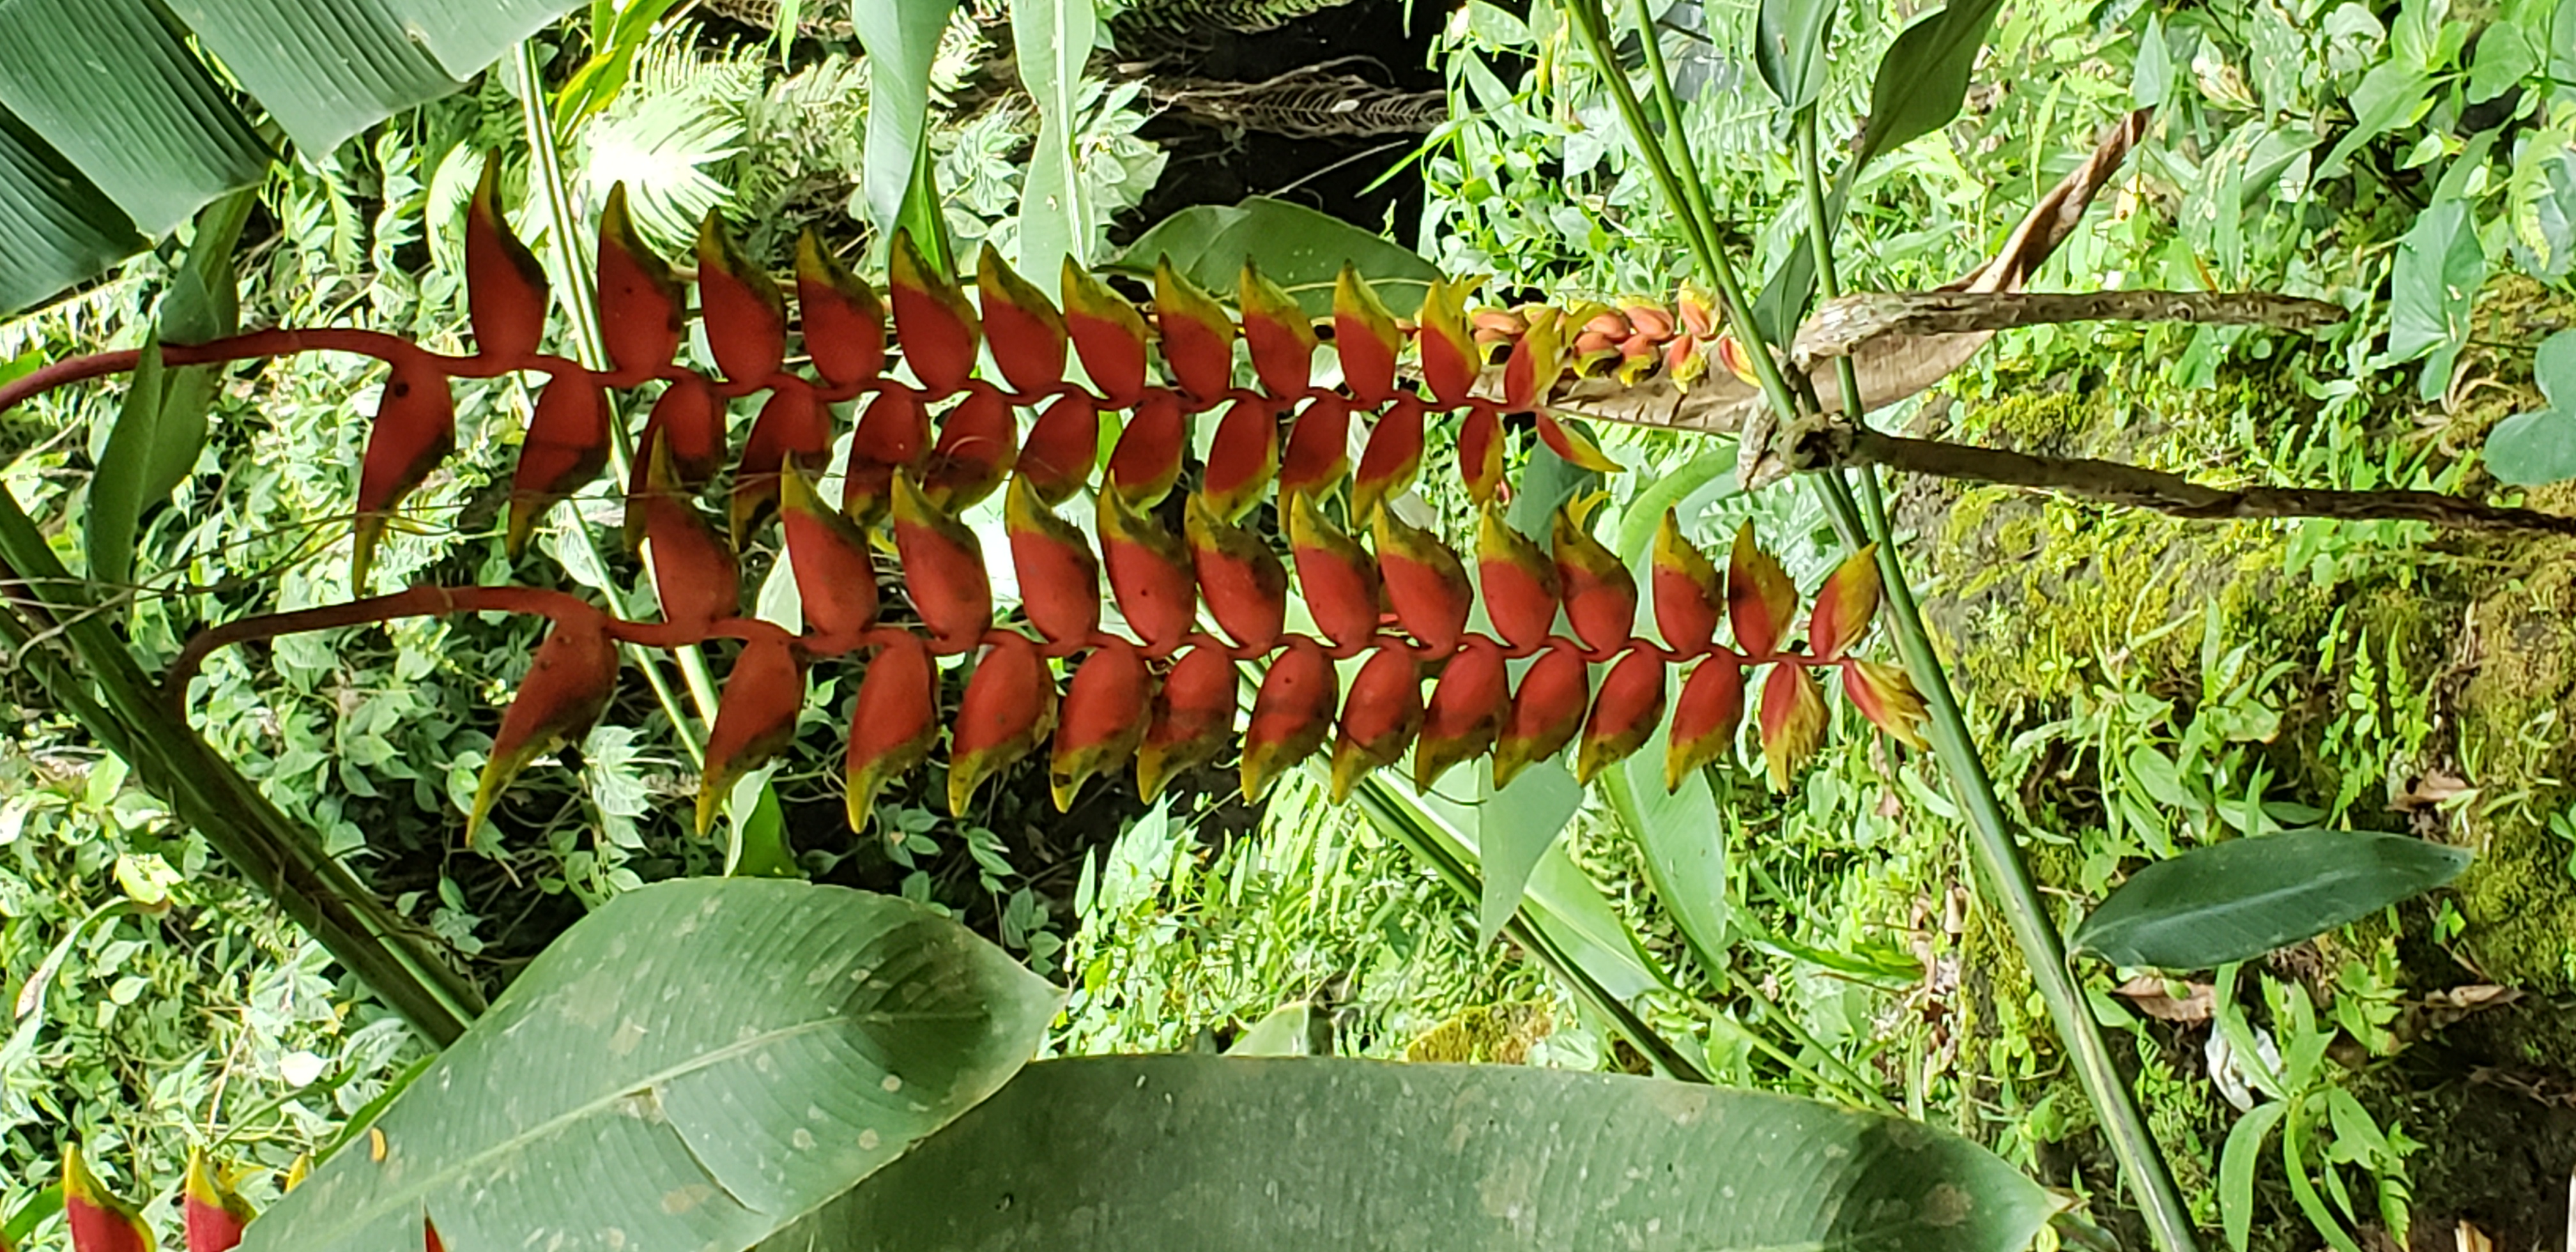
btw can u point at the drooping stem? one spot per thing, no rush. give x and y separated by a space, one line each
95 679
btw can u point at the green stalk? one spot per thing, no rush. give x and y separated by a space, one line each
130 716
1995 851
581 306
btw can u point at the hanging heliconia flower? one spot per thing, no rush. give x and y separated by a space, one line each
210 1211
1135 623
99 1219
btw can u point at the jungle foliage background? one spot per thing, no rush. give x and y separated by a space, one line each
2144 685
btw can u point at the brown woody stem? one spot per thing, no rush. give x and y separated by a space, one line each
1843 323
2113 482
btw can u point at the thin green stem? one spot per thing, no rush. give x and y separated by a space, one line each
1677 149
1854 1088
1998 857
1820 244
581 307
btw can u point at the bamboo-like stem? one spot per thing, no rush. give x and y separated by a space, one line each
581 306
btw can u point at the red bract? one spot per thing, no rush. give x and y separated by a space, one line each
429 1240
836 579
1575 446
690 419
566 447
415 429
1600 593
794 428
1107 708
1844 605
1278 333
692 568
1519 582
1245 585
1426 583
210 1212
1536 361
1198 338
1480 455
1688 600
1793 721
567 687
1291 715
99 1220
844 320
1242 459
1059 578
1149 573
1885 696
505 287
1062 449
893 722
1704 721
1546 711
1623 716
893 435
1339 579
1466 712
1026 333
1760 599
1381 715
639 299
1109 334
1193 719
1319 448
943 568
1449 358
1366 337
755 719
978 441
1147 460
1392 460
739 305
932 320
1008 709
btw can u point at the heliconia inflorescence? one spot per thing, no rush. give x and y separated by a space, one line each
1132 629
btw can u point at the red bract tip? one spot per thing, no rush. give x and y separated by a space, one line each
754 721
1198 338
937 328
566 447
1760 599
1519 582
1242 459
505 287
99 1220
1480 455
978 441
943 568
415 429
1108 333
1705 720
893 722
794 427
836 578
1291 715
740 307
1062 449
1147 460
1107 708
639 299
567 687
1392 460
1339 579
1450 361
1366 338
210 1212
1059 577
1008 709
1381 716
1793 721
1844 605
1623 717
1319 448
1149 572
693 570
1465 714
1278 332
844 320
1545 713
1426 583
1688 598
1193 719
1245 585
1026 333
893 435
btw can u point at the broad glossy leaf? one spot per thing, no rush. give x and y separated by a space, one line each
1683 842
2529 449
901 38
1789 38
2240 899
1144 1154
1298 248
691 1066
1923 78
350 64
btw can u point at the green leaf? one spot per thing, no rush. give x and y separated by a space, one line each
56 227
1053 224
1789 39
116 489
691 1066
2528 449
1923 78
2440 265
467 35
1514 828
2236 1164
350 64
1682 842
1142 1154
1295 246
2242 898
922 215
901 38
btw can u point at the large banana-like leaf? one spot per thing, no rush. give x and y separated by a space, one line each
111 129
693 1066
1206 1154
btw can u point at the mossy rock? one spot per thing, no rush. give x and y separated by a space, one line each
2517 735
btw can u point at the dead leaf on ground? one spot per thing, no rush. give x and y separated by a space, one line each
2472 1239
2430 790
2154 997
